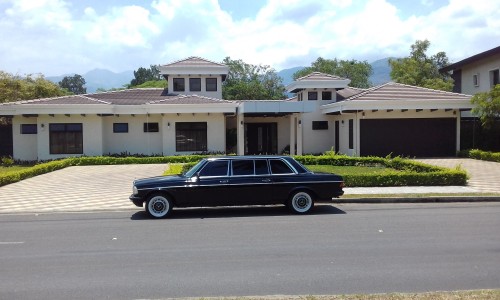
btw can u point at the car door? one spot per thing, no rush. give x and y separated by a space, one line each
211 188
246 187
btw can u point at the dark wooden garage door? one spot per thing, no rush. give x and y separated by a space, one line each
408 137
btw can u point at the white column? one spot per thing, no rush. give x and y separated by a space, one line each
293 129
240 132
299 135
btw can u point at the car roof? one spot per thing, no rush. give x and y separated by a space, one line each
247 157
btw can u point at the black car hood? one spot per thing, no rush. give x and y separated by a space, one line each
159 180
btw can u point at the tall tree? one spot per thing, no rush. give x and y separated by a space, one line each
422 70
357 71
142 75
487 106
74 84
15 87
251 82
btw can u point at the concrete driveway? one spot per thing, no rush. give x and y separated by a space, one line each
484 175
81 188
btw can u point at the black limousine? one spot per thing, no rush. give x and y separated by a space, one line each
238 181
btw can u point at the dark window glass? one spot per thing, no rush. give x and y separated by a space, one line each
326 95
312 95
66 138
29 129
179 85
261 167
195 84
191 136
151 127
243 167
351 134
279 167
320 125
120 127
495 77
211 84
215 168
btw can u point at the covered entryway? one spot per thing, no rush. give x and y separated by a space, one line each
426 137
262 138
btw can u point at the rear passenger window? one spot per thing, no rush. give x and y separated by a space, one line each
242 167
261 167
279 167
215 168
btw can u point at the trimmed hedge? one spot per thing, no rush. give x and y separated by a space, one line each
480 154
408 172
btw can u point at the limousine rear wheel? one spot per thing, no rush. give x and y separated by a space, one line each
158 205
301 202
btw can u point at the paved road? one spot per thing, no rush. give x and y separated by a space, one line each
253 251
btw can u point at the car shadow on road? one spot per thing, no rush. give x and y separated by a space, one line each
238 212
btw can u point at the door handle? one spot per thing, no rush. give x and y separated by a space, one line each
266 180
223 181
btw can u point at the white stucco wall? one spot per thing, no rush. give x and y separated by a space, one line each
483 68
135 141
25 145
92 135
216 131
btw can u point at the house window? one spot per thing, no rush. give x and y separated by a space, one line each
211 84
179 85
151 127
66 138
190 136
120 127
326 95
29 129
320 125
475 79
195 84
351 134
494 77
312 96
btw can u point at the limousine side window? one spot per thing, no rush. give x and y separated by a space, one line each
261 167
242 167
279 167
215 168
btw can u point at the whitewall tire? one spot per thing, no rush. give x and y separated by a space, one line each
158 206
301 202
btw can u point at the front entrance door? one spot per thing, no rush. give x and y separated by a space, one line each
262 138
6 137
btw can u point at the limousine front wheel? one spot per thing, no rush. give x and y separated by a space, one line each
301 202
158 206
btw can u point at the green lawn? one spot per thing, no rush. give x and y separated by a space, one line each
348 170
7 170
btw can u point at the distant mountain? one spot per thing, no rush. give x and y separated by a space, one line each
381 72
100 78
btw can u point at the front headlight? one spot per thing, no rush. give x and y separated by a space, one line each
134 190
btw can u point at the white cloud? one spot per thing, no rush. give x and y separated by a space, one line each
53 36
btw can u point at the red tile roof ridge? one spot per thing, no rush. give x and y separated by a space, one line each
184 96
191 58
316 73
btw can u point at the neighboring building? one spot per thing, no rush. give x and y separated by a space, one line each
325 114
472 75
478 73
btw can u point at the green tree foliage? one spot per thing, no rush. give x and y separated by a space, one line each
142 75
152 84
421 70
357 71
74 84
251 82
487 106
16 87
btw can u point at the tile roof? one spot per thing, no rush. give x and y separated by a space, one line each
193 61
348 92
319 76
125 97
398 91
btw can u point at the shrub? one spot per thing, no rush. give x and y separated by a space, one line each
481 155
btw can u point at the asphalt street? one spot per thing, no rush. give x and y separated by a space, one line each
341 249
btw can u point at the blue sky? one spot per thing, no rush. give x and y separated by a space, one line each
56 37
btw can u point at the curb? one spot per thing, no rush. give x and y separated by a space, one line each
434 199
